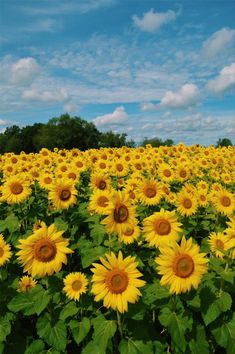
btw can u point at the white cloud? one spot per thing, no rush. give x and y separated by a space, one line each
46 96
148 106
186 97
223 82
57 7
118 116
23 71
70 107
218 41
4 122
152 21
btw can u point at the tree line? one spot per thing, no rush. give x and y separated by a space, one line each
67 132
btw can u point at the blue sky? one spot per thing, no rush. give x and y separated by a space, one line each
153 68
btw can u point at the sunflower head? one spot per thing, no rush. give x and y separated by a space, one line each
5 251
116 281
26 283
75 284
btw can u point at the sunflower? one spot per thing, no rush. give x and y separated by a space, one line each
202 198
99 201
5 251
224 202
16 189
166 173
116 281
62 193
75 284
26 283
181 266
45 180
219 243
120 213
186 203
129 234
100 181
149 192
161 228
230 232
43 252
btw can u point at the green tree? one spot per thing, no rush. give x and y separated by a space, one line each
224 142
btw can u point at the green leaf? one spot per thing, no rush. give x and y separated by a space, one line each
80 329
2 348
31 302
53 333
199 344
228 276
224 334
69 310
134 347
36 347
5 329
12 223
92 348
154 292
104 330
98 233
212 306
60 224
177 325
89 253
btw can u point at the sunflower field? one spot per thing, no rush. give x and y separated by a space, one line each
118 250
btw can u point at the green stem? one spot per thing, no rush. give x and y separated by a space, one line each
119 324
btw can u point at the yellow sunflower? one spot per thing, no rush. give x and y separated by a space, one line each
100 181
129 234
149 192
181 266
5 251
15 190
75 284
62 194
224 202
186 203
120 213
99 201
166 173
161 228
230 232
26 283
219 243
116 281
43 252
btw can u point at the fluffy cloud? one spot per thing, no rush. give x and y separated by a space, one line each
186 97
218 41
152 21
45 96
225 80
118 116
23 71
148 106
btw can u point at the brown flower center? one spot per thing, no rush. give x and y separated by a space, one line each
102 185
129 231
102 165
150 192
203 198
183 173
219 244
77 285
16 188
47 180
162 227
187 203
225 201
167 173
102 201
121 213
44 250
1 252
183 265
65 195
116 281
79 164
119 167
72 175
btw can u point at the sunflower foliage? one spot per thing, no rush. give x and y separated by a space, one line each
118 250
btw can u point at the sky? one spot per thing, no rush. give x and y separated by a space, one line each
147 68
